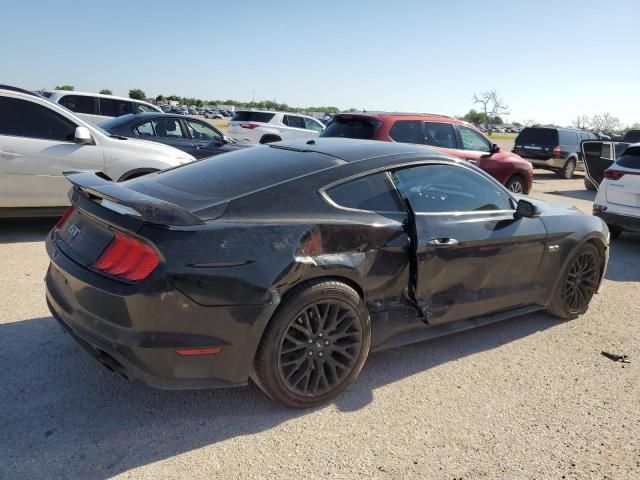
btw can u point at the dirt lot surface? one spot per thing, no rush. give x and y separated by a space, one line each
527 398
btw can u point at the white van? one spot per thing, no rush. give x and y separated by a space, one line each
96 108
39 140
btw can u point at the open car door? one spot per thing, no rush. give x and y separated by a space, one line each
598 156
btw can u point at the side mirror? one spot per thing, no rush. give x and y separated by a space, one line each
526 209
495 148
83 136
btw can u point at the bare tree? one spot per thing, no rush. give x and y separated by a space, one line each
582 122
604 122
529 123
492 105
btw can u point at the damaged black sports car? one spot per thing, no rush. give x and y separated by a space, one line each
289 263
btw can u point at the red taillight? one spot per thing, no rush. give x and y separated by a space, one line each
250 126
613 174
65 217
127 258
556 153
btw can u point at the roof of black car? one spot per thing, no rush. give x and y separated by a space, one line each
353 150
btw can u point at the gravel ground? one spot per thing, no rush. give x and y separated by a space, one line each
527 398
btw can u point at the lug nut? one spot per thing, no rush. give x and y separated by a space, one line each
321 334
310 341
320 354
326 342
311 353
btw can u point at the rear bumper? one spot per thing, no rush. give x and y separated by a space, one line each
624 222
137 333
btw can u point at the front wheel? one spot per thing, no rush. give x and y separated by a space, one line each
315 346
516 185
578 283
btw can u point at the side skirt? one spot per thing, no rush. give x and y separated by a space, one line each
397 336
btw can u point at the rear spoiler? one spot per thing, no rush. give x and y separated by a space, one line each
153 210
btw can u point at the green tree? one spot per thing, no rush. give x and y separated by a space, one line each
106 91
137 94
160 98
65 87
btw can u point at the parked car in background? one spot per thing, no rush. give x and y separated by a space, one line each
212 114
289 263
39 140
226 113
191 135
96 108
165 108
447 134
192 111
618 199
258 126
552 148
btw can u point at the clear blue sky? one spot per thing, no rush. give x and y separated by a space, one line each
550 60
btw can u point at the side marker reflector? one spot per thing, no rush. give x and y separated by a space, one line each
190 352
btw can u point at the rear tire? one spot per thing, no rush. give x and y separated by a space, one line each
315 345
270 139
516 184
588 185
568 169
578 283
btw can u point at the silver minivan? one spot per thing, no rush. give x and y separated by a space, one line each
96 108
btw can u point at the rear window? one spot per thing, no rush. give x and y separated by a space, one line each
350 127
630 158
538 136
221 178
263 117
373 192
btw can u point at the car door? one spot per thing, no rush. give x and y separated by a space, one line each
167 129
598 156
205 139
474 146
36 146
296 127
473 256
441 135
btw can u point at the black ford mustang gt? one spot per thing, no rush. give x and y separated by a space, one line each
288 263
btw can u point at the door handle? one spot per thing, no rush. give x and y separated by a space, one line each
443 242
9 154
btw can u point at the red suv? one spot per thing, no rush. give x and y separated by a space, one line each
447 134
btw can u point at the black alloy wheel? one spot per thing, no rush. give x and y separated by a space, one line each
314 346
319 348
581 282
578 282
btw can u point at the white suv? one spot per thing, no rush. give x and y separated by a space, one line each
618 198
95 107
258 126
39 140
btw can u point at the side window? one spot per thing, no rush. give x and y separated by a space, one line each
167 127
21 118
203 131
145 129
568 138
141 107
449 188
406 131
311 124
630 158
606 150
439 134
373 192
78 103
585 136
293 121
114 108
472 140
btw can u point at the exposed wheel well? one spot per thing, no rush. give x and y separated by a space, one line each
269 138
329 278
